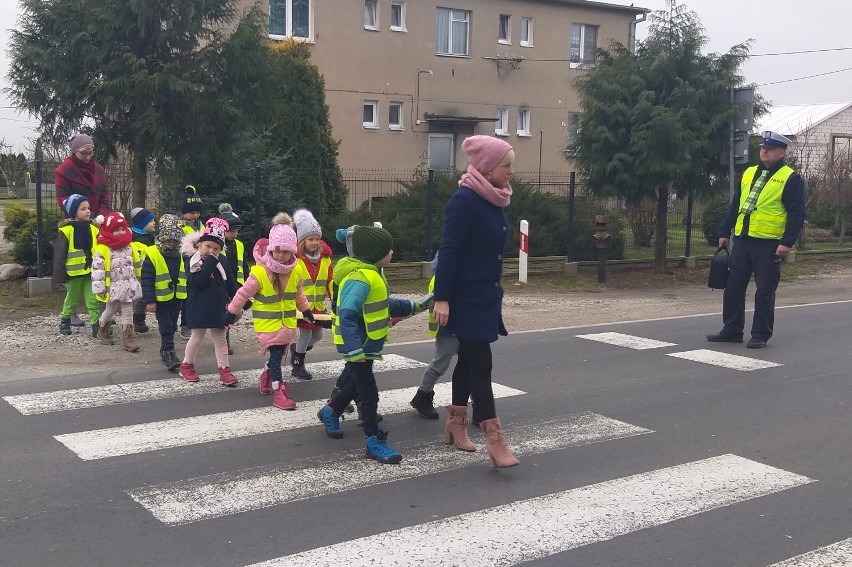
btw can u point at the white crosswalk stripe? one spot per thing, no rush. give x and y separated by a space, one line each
835 555
629 341
154 436
174 387
224 494
724 359
562 521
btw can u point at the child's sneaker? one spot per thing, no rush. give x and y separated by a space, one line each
331 421
226 377
188 373
378 449
266 381
280 399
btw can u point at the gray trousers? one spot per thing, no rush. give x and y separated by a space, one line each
446 347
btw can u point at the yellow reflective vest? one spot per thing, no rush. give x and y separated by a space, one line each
103 250
268 311
75 262
238 260
769 218
141 250
316 291
375 309
164 287
433 323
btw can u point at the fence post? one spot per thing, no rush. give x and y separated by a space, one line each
569 249
688 247
39 222
258 204
430 191
524 246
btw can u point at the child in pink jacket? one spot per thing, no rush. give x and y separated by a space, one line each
275 286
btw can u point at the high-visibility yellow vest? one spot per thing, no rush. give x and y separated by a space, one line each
238 260
316 291
75 262
433 323
375 309
769 218
103 250
140 249
164 288
268 311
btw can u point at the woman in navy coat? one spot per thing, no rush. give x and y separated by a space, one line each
468 292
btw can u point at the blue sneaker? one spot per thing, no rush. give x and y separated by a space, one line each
378 449
331 421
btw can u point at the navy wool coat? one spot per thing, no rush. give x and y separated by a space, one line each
470 265
207 294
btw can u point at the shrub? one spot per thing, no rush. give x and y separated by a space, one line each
712 217
21 232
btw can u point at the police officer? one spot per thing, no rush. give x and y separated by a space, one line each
766 215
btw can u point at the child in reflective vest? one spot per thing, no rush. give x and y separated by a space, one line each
114 278
143 229
164 285
234 251
314 257
275 287
72 261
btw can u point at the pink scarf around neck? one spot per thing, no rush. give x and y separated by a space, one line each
497 196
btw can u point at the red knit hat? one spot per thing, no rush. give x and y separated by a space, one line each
485 153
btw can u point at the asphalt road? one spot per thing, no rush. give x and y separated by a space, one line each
629 457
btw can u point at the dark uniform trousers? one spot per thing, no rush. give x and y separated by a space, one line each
751 256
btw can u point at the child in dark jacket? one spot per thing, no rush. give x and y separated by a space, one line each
361 324
209 289
164 284
143 230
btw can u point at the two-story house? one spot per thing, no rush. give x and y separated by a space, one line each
406 81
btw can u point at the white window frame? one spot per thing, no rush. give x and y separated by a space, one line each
374 125
504 32
398 125
528 42
581 59
288 18
452 139
501 127
524 122
449 13
371 12
401 26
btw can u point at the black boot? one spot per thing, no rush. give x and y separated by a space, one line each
422 402
139 324
298 363
170 359
334 391
95 329
65 326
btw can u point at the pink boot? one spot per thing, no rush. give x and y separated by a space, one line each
266 381
187 372
280 399
226 377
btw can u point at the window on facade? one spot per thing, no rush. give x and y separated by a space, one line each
370 15
397 16
371 114
395 116
573 127
451 31
524 122
503 29
290 18
526 32
584 43
501 127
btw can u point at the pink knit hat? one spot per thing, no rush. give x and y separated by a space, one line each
282 235
485 153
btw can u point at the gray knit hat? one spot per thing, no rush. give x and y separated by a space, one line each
306 224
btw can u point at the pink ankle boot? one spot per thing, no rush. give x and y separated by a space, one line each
266 381
280 399
187 372
226 377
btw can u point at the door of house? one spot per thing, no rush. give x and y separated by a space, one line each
442 151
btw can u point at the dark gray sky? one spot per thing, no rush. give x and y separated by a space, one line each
780 26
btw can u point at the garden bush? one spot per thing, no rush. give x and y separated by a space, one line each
21 232
712 217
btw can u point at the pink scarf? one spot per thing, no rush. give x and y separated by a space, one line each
497 196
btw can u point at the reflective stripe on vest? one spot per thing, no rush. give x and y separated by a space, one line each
268 311
104 251
164 287
375 310
316 291
241 276
433 323
75 262
769 218
140 254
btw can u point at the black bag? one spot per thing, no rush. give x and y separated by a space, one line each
719 269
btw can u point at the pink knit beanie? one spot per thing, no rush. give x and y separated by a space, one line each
282 235
485 153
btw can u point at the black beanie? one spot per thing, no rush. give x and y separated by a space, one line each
191 200
370 243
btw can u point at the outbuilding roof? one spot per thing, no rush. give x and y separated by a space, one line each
793 119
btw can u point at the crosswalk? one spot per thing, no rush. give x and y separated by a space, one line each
524 529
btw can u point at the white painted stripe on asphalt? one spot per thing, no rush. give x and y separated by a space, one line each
629 341
561 521
157 435
175 387
224 494
724 359
834 555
